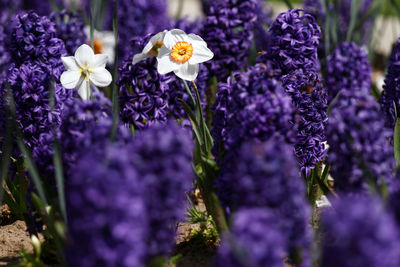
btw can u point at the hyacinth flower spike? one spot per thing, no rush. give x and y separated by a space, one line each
182 53
84 69
151 49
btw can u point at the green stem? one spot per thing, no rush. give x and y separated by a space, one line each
209 168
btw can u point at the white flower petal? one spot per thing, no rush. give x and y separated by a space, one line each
139 57
187 71
100 77
153 40
99 61
195 37
174 36
70 63
70 79
165 63
84 90
84 55
201 53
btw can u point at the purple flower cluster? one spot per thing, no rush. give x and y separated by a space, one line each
228 31
70 29
264 19
143 93
358 232
265 175
33 38
294 42
4 55
309 99
30 84
87 124
107 215
390 97
133 198
255 240
347 68
138 18
360 152
162 157
251 105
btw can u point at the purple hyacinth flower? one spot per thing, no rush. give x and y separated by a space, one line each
359 232
162 156
309 100
228 31
360 152
70 29
390 97
255 240
347 68
294 42
251 105
107 221
265 175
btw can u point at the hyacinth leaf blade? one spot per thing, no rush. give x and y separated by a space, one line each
114 91
396 142
193 121
57 161
54 226
396 7
355 8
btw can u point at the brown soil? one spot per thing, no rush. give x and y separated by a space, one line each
13 238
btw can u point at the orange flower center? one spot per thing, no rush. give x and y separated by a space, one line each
98 46
154 50
182 52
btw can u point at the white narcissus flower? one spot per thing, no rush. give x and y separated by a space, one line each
151 49
83 69
182 53
104 43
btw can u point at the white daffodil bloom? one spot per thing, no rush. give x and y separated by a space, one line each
182 53
151 49
104 43
83 69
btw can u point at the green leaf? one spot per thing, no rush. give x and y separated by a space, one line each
355 8
396 142
325 173
192 119
114 89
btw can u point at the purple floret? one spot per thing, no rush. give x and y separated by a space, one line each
251 105
390 97
70 29
358 232
107 215
34 38
294 44
143 93
228 31
255 240
360 152
265 175
309 100
347 68
162 156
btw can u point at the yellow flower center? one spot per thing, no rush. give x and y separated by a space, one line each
98 46
154 50
85 71
181 52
